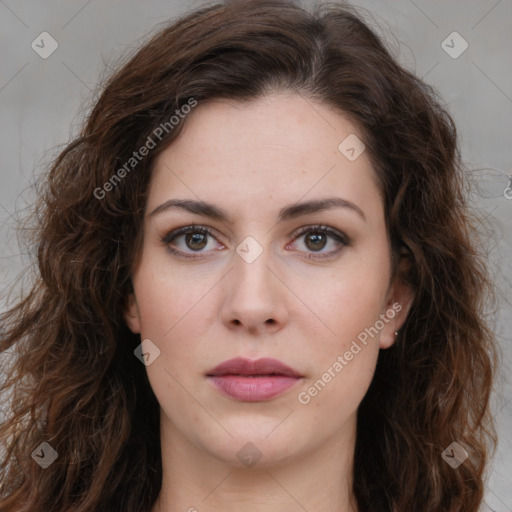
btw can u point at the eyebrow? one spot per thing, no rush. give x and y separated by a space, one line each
286 213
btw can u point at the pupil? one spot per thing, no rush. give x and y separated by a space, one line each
318 241
314 242
195 238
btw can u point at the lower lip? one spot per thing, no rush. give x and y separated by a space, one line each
253 389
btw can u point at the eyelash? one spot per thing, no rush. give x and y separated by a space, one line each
341 238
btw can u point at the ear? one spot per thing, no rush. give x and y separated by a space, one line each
131 314
398 304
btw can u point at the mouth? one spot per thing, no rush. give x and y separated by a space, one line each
253 381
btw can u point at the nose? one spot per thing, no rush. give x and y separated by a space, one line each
254 297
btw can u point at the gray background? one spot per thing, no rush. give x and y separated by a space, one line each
43 100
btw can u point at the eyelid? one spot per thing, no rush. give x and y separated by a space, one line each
190 228
340 237
171 235
323 229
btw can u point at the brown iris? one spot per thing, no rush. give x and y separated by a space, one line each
196 241
318 241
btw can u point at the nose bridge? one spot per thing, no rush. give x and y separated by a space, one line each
252 273
252 298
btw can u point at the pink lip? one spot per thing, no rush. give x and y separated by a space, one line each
253 381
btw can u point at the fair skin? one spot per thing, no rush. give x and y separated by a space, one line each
251 160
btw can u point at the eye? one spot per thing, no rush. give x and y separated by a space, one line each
194 238
316 238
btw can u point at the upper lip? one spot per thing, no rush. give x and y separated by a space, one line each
242 366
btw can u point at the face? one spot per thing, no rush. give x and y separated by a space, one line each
278 250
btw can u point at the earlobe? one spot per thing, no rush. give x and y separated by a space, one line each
396 313
131 315
390 332
399 303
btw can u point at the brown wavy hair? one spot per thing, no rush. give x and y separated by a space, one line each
75 382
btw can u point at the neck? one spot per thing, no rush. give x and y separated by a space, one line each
195 480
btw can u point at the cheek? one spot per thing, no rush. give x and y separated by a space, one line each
337 392
344 358
166 294
175 312
348 300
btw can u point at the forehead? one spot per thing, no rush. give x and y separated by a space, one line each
280 147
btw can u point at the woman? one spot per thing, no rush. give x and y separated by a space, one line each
258 287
